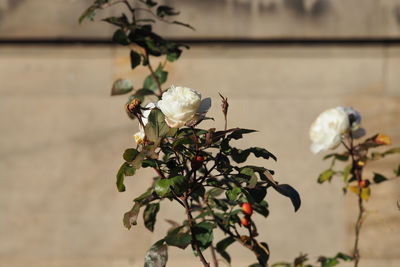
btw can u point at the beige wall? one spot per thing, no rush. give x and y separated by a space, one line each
215 19
63 136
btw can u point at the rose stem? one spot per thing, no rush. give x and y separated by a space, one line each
194 241
356 171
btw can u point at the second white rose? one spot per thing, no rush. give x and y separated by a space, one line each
327 130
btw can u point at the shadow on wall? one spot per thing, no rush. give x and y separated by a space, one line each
8 5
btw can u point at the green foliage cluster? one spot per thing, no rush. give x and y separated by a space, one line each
354 158
135 30
199 169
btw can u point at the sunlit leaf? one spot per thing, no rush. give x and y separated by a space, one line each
121 86
157 256
326 176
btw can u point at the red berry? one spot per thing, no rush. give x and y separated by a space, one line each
247 209
364 183
245 222
197 162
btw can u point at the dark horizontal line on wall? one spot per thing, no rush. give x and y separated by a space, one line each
211 41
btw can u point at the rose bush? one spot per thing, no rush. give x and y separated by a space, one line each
327 129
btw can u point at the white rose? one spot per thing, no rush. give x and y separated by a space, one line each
181 104
327 130
139 136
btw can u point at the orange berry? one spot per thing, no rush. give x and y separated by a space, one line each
247 209
364 183
245 222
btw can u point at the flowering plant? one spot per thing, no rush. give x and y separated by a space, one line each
200 170
341 127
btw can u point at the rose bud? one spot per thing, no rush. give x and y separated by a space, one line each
245 222
197 162
382 139
364 183
247 209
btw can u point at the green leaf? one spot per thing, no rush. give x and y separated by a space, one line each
183 24
150 82
135 59
163 11
379 178
177 183
344 257
117 21
341 157
391 151
233 193
130 217
150 214
90 12
121 177
325 176
214 192
121 86
240 156
204 234
291 193
178 237
162 188
238 133
120 37
130 154
261 208
156 128
142 93
346 172
174 55
262 252
223 245
157 256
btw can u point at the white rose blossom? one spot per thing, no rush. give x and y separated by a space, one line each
180 104
327 130
139 136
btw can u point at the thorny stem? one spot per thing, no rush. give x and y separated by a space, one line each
357 172
195 243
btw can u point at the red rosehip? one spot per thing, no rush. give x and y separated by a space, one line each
364 183
247 209
245 222
197 162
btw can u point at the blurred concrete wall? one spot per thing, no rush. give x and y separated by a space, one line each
63 136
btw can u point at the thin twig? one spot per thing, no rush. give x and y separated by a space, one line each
153 74
214 255
195 243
